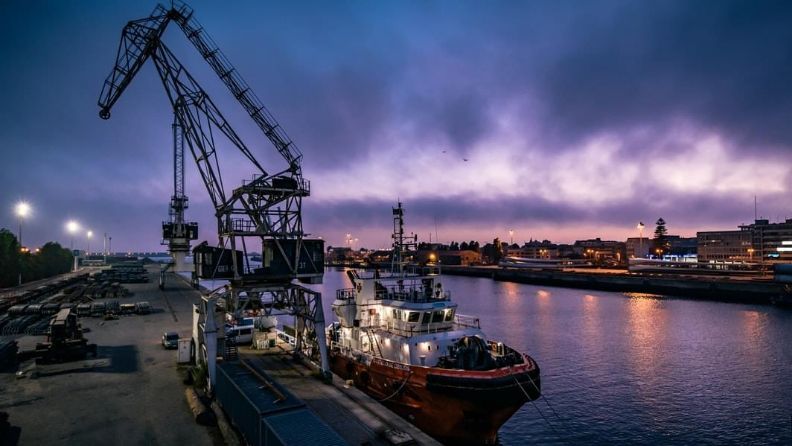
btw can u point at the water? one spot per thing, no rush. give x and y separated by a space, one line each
625 368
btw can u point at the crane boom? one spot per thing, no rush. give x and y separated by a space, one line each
139 38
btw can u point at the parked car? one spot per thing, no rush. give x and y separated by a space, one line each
170 339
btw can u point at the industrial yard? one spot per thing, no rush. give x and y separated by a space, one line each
131 392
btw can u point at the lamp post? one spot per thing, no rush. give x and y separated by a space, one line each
21 210
511 237
72 227
88 236
640 237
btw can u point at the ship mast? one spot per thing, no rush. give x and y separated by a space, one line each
401 245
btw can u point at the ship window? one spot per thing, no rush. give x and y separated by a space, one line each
413 316
437 317
395 314
449 316
427 317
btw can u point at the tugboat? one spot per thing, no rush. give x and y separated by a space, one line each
400 340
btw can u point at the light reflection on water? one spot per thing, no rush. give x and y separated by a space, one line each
637 368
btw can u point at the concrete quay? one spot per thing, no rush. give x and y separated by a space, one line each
709 288
355 416
132 393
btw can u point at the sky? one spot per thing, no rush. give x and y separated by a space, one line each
558 120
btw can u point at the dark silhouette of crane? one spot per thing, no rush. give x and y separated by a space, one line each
265 209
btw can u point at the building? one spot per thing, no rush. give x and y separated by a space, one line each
464 257
724 246
534 249
760 241
601 250
770 242
638 247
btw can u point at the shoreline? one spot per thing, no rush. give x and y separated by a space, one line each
711 288
766 292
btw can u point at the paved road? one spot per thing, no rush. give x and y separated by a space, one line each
136 398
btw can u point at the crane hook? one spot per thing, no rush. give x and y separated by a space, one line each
104 113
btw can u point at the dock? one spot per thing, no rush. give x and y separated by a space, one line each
725 289
134 390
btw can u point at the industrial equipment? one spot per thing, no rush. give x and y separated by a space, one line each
65 341
176 232
264 212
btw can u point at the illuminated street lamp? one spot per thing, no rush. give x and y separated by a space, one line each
72 227
750 253
22 210
88 235
640 237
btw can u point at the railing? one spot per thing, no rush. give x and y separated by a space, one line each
413 295
345 294
285 337
467 321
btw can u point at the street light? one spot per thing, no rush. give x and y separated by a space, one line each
511 237
640 237
88 235
22 210
72 227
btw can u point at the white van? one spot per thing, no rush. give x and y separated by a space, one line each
242 334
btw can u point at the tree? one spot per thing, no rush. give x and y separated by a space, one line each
9 259
50 260
498 250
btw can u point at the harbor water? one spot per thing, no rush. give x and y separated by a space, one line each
625 368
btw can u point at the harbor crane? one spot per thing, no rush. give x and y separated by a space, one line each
264 212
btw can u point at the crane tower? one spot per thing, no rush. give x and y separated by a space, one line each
264 212
177 232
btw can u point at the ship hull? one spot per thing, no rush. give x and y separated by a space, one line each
453 406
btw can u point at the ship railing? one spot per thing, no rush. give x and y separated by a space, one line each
410 329
345 294
414 295
467 321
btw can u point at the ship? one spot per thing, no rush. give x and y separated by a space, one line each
398 337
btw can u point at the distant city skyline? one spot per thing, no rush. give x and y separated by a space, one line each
558 120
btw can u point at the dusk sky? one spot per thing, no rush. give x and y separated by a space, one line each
577 119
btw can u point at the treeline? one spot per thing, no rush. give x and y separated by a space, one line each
453 246
51 259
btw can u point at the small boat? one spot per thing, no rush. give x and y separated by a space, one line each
400 339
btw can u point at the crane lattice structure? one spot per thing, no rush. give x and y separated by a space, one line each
267 208
177 232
